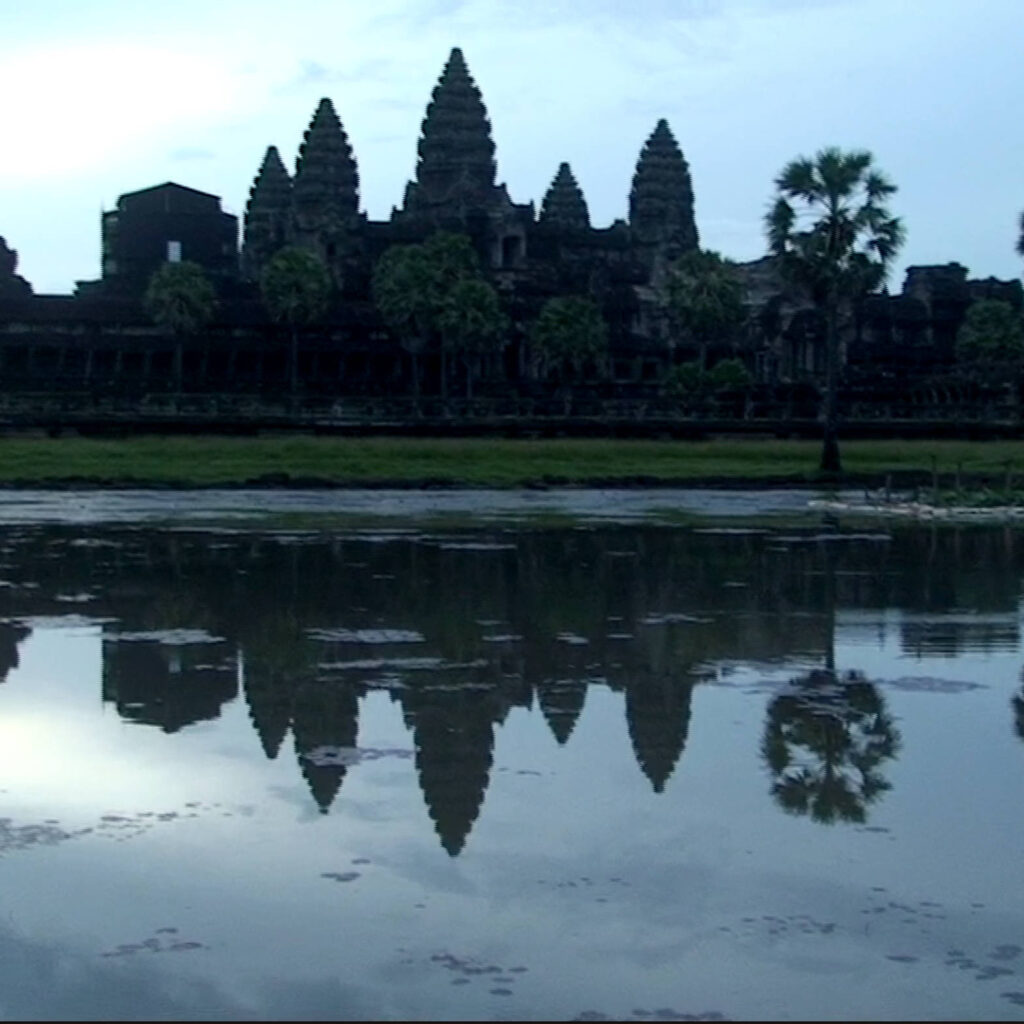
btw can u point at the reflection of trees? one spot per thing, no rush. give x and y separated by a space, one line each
825 741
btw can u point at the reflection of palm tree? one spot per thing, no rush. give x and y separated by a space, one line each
1018 711
824 743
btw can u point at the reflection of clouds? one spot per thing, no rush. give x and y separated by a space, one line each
51 981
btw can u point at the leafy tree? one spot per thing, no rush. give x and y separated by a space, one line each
687 380
729 374
451 260
181 300
1020 236
992 334
705 299
413 288
472 321
834 235
569 331
402 294
296 289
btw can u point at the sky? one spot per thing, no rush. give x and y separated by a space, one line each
114 95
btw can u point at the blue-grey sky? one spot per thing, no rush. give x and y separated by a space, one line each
110 96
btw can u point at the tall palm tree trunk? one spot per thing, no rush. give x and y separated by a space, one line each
830 461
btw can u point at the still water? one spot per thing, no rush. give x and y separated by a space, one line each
460 766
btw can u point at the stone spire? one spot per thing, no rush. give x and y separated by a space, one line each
325 191
456 153
661 199
563 205
267 214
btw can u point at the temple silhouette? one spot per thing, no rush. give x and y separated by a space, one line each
103 355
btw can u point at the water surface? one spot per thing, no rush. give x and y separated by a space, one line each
398 763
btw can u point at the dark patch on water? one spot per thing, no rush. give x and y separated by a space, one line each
163 940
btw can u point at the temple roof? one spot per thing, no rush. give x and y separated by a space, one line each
325 170
661 199
563 203
456 152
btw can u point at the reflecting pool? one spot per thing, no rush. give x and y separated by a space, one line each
504 768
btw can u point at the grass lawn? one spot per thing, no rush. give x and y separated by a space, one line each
212 460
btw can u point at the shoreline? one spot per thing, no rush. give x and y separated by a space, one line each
899 481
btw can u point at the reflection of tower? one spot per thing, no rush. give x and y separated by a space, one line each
561 701
269 694
325 724
169 685
11 634
658 716
454 739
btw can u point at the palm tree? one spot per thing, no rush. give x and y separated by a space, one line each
412 289
181 300
296 288
473 323
834 236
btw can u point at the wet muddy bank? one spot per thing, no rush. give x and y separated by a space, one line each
899 481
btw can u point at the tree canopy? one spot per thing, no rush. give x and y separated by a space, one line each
992 333
180 298
833 234
435 292
296 286
569 329
412 283
705 296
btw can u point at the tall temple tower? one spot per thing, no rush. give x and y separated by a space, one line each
267 215
455 186
325 192
563 206
456 168
661 199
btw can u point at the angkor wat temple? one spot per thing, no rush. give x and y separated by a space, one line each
98 349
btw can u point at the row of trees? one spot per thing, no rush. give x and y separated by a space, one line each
432 296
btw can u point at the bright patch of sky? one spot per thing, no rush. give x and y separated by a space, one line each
108 97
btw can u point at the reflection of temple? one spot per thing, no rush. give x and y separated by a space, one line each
659 721
11 634
168 684
460 631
